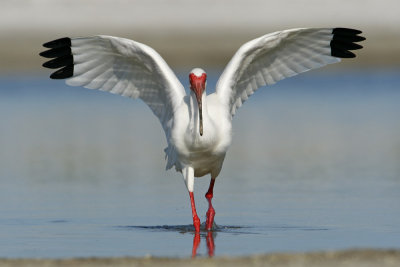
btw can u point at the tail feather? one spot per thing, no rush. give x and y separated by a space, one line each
170 156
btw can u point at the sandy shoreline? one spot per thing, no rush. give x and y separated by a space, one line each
354 258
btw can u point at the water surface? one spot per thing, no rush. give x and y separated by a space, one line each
314 165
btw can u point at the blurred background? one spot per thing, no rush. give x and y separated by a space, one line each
191 32
315 158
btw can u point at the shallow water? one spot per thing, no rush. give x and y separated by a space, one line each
314 166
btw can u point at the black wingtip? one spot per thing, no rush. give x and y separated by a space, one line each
346 31
63 73
59 62
343 40
66 41
56 52
62 57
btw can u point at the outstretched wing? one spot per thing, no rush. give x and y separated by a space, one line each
273 57
119 66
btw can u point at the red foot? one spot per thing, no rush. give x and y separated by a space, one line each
211 212
196 220
196 223
210 218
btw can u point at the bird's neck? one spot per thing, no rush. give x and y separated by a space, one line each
194 112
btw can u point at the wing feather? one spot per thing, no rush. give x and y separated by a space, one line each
279 55
119 66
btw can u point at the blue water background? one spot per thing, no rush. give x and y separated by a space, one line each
314 165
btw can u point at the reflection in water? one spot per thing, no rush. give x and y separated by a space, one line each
209 241
207 236
196 243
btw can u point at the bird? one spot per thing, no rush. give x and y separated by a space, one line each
197 125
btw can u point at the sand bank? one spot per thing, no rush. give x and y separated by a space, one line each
354 258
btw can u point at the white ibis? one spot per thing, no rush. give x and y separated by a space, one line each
197 126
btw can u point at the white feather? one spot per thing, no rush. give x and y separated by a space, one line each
271 58
128 68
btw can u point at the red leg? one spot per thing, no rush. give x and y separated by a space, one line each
196 220
211 211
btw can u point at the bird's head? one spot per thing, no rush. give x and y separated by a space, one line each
198 81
